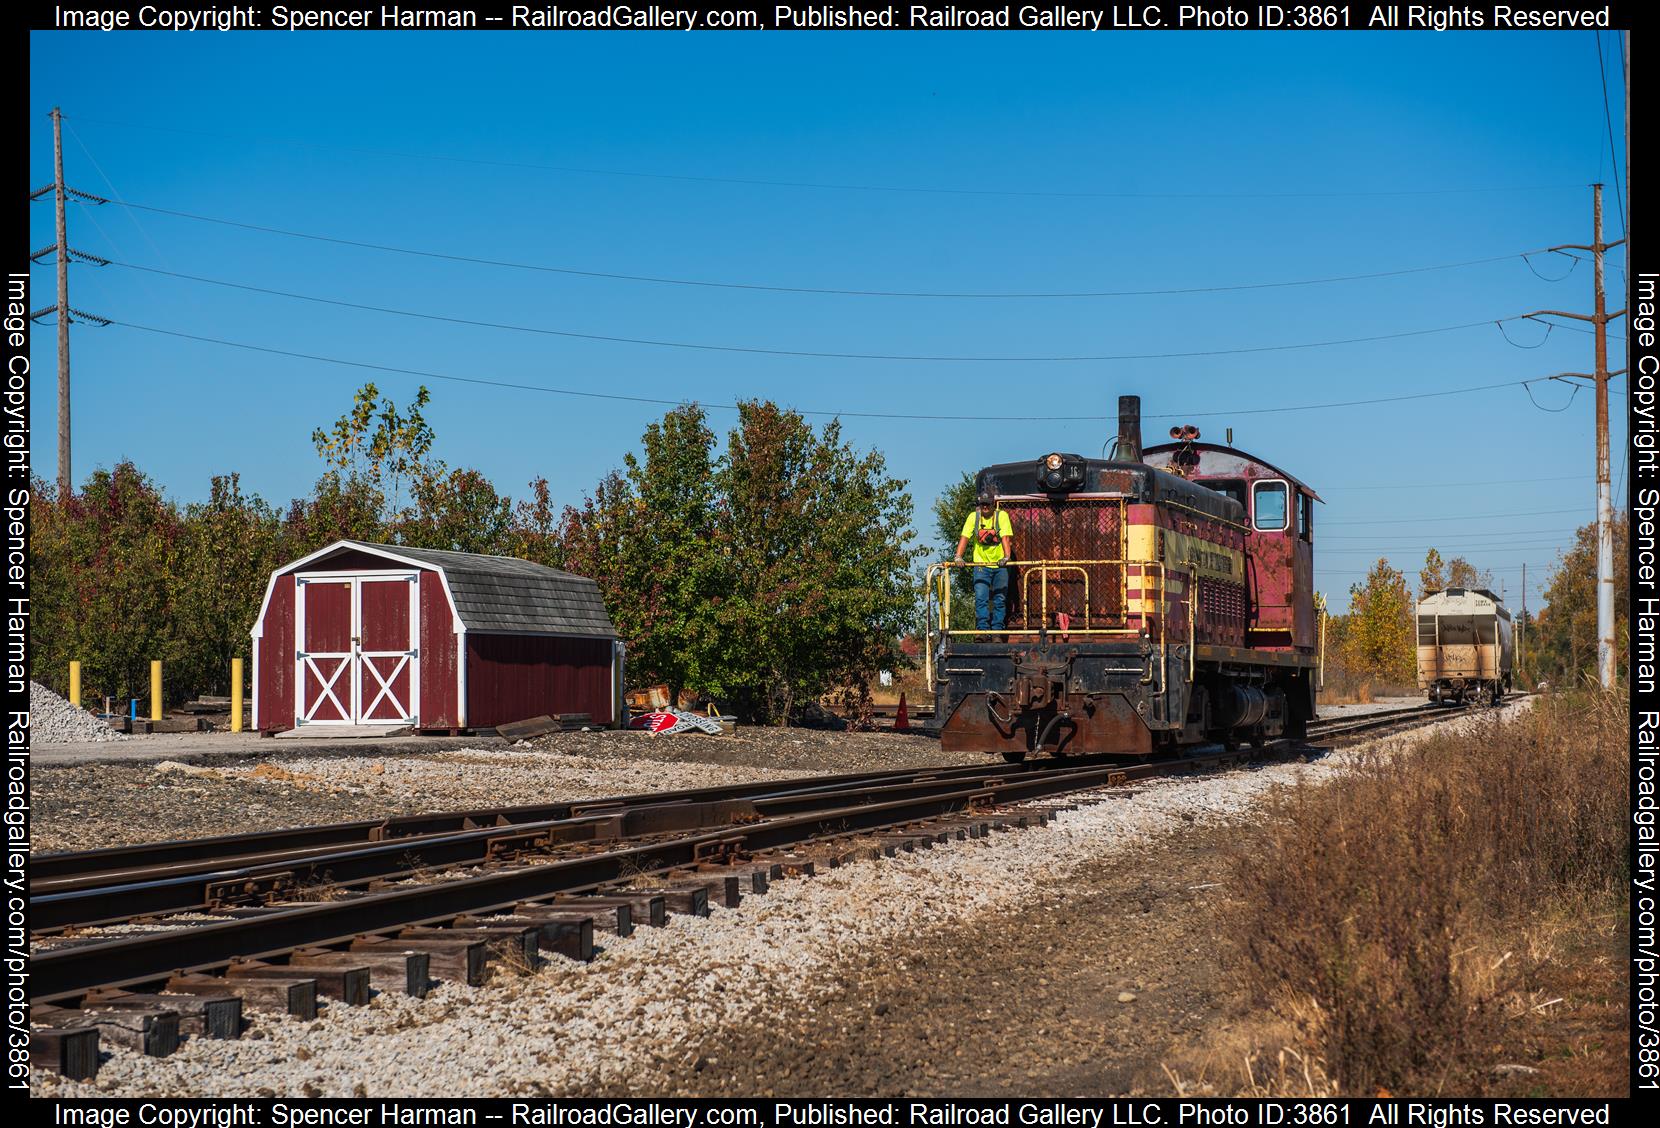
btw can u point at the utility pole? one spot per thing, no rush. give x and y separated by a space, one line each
1605 502
61 193
1521 626
64 478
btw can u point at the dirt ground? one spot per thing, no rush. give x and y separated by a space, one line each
1117 984
1079 993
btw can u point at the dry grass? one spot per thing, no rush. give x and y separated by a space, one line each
1342 688
1398 925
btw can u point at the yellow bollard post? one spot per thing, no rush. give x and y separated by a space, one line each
75 684
155 690
236 695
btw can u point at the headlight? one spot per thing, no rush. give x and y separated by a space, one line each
1060 472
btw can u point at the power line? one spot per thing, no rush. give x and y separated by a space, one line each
1462 536
1464 517
850 187
424 374
1442 483
808 353
825 290
1476 549
1608 116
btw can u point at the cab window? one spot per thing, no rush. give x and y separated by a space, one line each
1305 517
1227 487
1269 506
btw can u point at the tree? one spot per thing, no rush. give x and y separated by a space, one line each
1378 633
457 511
763 578
226 550
1564 645
1433 575
99 567
533 533
1462 574
378 449
821 562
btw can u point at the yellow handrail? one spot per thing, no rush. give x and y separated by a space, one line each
1042 568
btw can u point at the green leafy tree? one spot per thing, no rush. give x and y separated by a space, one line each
225 551
458 511
764 578
821 546
379 449
1378 633
646 536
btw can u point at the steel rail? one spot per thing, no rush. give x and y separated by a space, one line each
106 896
65 973
55 870
126 961
94 902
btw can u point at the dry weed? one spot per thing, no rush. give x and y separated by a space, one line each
1390 917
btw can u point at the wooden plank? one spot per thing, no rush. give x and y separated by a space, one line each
71 1053
402 973
152 1031
616 919
454 958
204 1016
297 997
688 900
524 730
649 909
566 934
515 941
348 984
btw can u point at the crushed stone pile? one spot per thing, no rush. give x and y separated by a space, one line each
52 720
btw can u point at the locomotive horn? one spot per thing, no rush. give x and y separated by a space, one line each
1129 428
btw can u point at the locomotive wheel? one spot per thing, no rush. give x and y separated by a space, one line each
1015 757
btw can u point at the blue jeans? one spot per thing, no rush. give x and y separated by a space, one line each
991 591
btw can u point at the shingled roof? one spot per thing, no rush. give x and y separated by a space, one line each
504 593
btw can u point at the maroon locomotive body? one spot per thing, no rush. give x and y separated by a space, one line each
1157 598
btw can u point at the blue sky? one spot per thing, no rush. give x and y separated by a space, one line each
1051 162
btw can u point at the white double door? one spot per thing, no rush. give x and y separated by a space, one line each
357 659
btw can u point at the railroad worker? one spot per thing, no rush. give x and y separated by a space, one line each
989 531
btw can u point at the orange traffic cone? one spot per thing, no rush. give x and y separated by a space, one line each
902 718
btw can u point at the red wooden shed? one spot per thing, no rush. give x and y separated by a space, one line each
361 634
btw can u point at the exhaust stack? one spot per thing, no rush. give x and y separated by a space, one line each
1129 428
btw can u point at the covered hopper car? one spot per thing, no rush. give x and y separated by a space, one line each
1465 646
1157 598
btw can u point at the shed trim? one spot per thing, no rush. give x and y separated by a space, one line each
360 546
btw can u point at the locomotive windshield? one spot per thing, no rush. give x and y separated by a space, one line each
1270 507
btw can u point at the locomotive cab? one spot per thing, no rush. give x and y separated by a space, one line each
1280 534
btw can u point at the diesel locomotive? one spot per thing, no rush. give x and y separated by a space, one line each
1157 598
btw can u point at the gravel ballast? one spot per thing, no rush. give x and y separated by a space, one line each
643 1017
52 720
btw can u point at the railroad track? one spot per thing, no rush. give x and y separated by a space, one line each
138 944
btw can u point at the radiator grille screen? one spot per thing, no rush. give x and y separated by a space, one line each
1065 531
